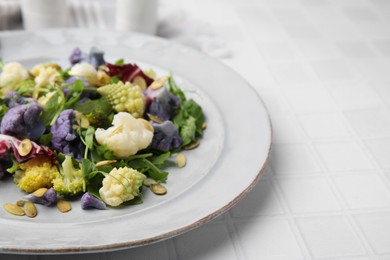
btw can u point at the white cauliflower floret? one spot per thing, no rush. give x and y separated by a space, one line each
121 185
85 70
126 137
12 74
45 75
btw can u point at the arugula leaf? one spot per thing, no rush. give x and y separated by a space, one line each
45 139
189 121
175 89
53 108
75 92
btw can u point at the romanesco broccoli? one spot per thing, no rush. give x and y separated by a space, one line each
121 185
35 173
125 98
70 180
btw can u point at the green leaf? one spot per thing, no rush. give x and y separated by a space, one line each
45 139
120 62
75 92
174 89
89 137
87 169
53 108
14 167
160 159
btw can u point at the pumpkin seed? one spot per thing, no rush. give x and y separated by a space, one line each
158 189
13 209
158 83
140 82
192 145
155 118
181 160
104 163
39 192
20 203
29 209
25 147
149 181
63 205
146 124
204 125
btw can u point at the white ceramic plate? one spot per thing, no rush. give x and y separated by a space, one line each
228 163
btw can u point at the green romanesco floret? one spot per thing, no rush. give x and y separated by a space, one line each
120 185
69 181
125 98
35 173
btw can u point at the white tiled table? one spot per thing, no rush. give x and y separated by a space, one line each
322 68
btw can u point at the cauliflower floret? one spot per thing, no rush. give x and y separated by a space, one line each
12 74
45 75
35 173
70 180
126 137
85 70
121 185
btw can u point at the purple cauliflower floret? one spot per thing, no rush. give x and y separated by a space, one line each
48 199
23 121
89 201
166 136
14 99
65 139
95 57
76 56
161 103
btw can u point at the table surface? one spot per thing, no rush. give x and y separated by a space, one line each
322 68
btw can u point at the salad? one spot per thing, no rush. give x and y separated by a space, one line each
96 131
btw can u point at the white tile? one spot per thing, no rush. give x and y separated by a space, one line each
360 13
354 95
291 73
268 239
302 31
323 125
383 90
329 236
370 123
380 149
308 194
373 69
316 49
293 159
328 70
285 120
363 190
383 46
274 100
310 99
343 156
218 245
277 51
376 228
262 200
356 50
148 252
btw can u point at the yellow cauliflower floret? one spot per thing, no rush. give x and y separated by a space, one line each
35 173
46 75
12 74
126 137
125 98
121 185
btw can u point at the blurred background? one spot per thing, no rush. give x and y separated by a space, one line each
322 67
